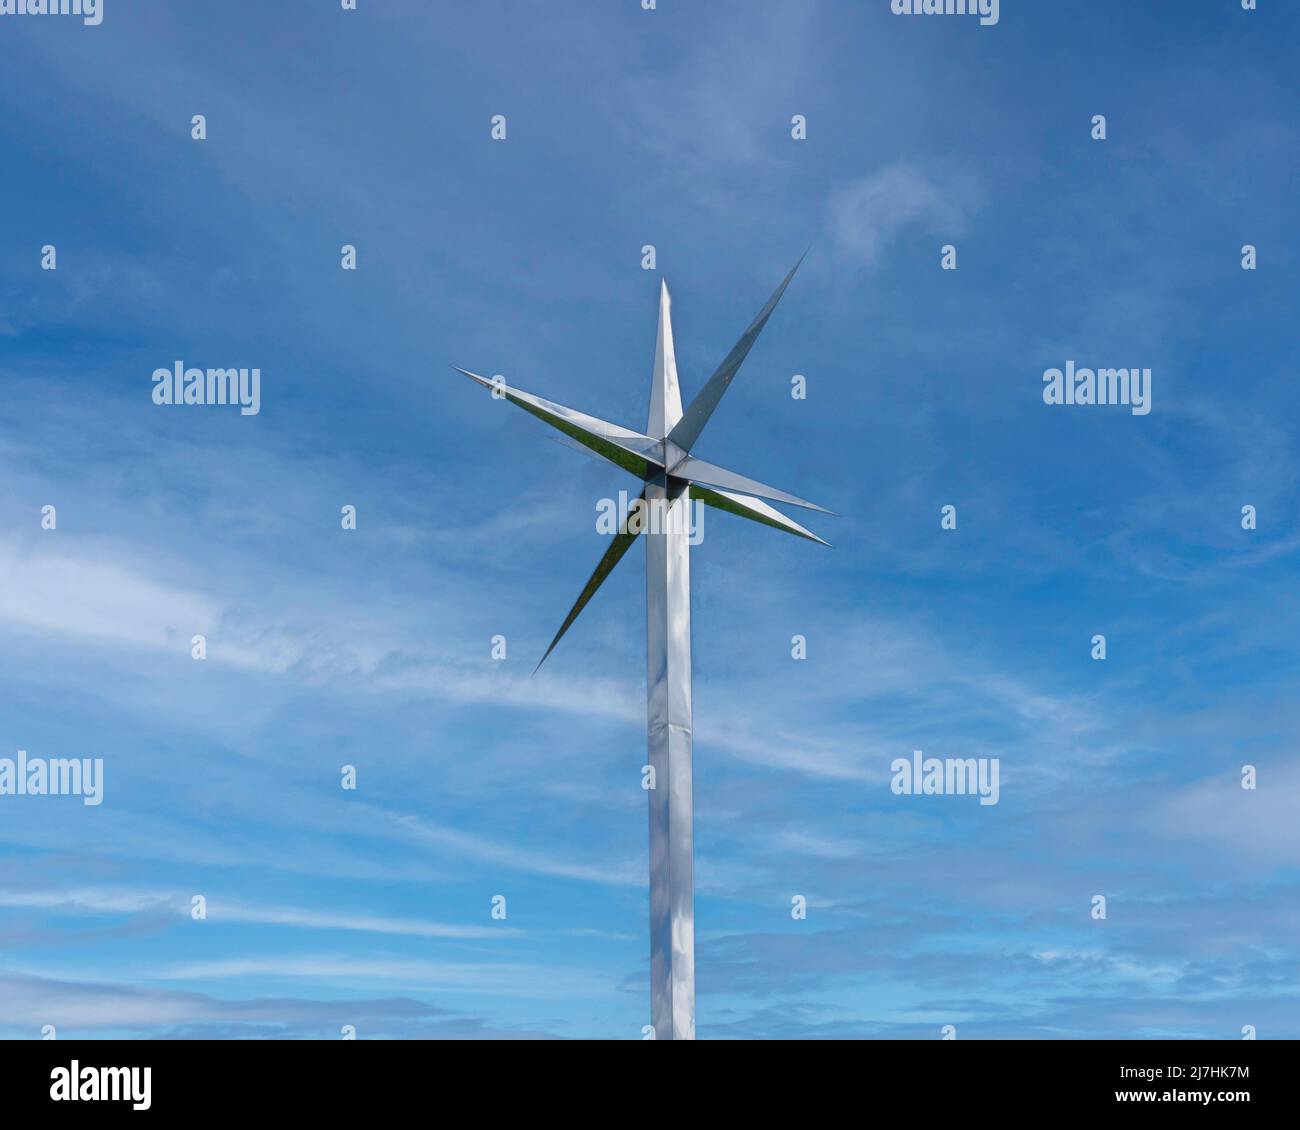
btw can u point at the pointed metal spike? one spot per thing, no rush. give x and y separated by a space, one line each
665 394
621 543
573 445
633 451
697 471
754 509
687 430
473 376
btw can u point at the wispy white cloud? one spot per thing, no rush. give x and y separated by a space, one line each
80 596
480 978
867 214
28 1002
118 901
516 857
1259 824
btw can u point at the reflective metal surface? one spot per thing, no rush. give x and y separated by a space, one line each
631 450
665 395
668 721
620 544
755 509
661 458
698 471
687 430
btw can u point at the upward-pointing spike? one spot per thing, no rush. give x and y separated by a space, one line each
665 394
687 430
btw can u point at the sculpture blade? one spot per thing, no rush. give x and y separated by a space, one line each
620 544
630 450
754 509
697 471
665 394
687 430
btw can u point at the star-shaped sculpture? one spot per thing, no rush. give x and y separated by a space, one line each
661 458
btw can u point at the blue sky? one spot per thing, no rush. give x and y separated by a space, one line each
523 257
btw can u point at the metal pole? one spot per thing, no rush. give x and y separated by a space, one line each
668 709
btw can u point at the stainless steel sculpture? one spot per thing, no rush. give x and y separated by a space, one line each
661 457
